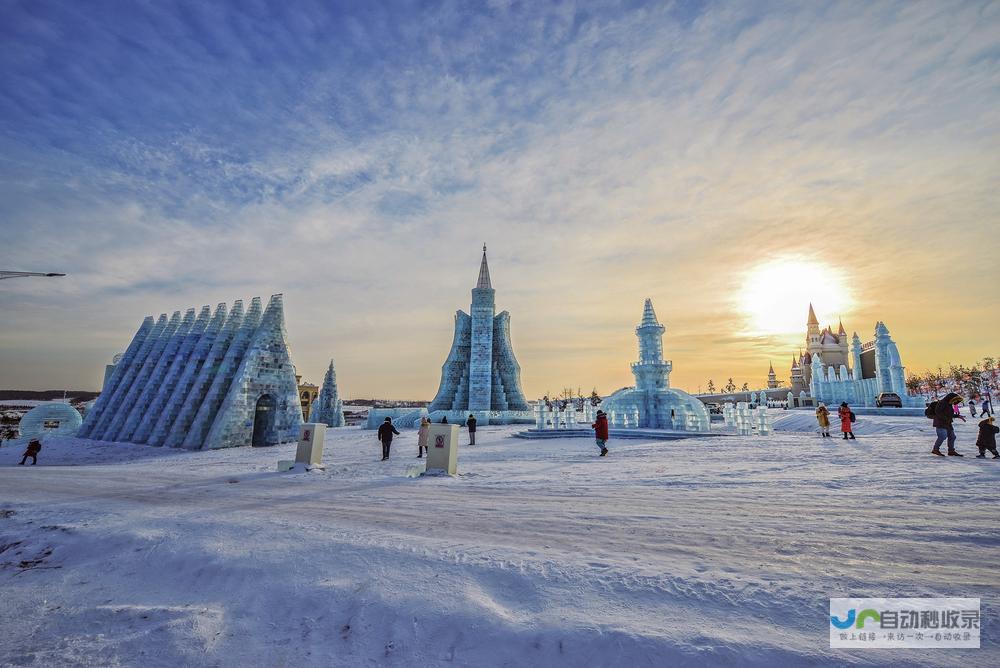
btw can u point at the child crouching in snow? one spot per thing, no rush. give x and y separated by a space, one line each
987 438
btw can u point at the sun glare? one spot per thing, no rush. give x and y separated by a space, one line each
776 295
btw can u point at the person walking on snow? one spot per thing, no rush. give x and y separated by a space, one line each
823 418
846 415
385 432
987 438
986 407
425 426
471 424
944 416
34 446
600 428
972 407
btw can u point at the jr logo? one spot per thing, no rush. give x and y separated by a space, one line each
865 615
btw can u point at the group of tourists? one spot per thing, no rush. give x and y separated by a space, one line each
386 431
944 412
847 420
985 407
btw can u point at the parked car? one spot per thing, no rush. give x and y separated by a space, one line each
888 400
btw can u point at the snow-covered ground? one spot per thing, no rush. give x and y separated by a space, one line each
720 551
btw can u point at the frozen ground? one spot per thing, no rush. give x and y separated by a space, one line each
714 551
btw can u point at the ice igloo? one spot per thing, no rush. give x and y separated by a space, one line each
55 419
652 403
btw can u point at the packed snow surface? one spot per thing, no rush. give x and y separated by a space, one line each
718 551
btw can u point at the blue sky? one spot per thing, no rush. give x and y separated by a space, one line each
355 156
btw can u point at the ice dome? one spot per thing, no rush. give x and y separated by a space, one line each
56 419
652 402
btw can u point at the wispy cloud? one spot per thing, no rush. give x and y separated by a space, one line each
355 156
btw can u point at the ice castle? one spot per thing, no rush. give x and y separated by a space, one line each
328 408
212 381
652 403
875 368
481 374
831 371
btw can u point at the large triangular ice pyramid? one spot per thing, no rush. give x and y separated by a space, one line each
203 382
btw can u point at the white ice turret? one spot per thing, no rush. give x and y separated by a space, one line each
856 357
651 372
816 380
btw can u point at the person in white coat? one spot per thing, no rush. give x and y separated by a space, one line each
425 425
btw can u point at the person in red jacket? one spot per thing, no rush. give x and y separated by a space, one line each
844 412
600 428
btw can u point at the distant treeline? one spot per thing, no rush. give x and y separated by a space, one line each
46 395
385 403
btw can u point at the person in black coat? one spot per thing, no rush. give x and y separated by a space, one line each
471 424
944 415
986 407
987 438
385 432
34 447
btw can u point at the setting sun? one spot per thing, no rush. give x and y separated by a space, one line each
776 295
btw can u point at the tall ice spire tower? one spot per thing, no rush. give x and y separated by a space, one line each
650 372
481 373
481 354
